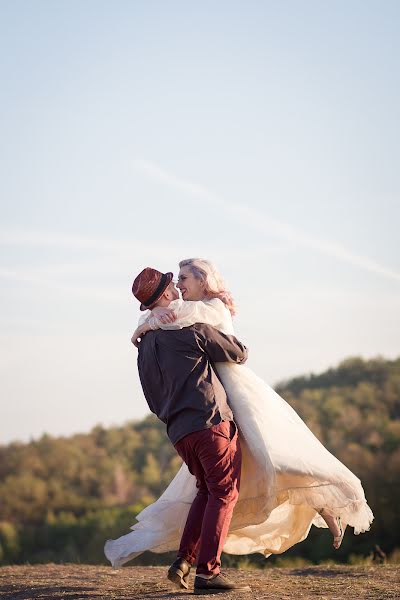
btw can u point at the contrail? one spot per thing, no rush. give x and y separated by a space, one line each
261 222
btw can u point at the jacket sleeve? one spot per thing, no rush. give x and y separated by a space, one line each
221 347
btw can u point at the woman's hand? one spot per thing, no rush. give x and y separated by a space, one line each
139 333
165 315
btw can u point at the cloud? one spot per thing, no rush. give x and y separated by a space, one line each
24 237
110 256
259 221
93 293
112 261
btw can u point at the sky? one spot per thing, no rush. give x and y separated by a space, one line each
262 135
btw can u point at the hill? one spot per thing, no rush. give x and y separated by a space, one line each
62 497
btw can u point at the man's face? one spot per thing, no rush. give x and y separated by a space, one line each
173 293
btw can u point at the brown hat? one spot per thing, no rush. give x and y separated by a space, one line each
149 286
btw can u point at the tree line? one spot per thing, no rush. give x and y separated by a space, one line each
62 497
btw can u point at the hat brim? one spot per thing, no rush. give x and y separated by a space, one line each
168 280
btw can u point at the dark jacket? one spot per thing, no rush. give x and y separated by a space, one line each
179 381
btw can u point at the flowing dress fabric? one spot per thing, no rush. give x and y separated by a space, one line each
287 474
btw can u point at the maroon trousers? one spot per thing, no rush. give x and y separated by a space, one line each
214 457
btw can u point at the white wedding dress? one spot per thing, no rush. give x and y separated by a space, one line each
286 472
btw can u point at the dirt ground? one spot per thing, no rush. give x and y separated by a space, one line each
87 582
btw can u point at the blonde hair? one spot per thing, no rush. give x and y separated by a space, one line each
214 286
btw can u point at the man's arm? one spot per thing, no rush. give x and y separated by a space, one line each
219 346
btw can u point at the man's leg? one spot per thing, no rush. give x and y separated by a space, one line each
179 571
221 460
214 457
190 541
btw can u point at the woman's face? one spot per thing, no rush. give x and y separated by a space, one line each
191 288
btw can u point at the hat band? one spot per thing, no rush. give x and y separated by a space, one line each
160 288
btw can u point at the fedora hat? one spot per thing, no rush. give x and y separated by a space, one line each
149 286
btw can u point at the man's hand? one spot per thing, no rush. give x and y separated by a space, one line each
139 333
165 315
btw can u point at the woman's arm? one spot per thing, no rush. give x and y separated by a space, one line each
147 322
139 333
182 314
212 312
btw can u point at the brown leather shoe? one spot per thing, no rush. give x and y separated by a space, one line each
179 573
218 584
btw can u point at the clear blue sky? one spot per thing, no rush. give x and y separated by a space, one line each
262 135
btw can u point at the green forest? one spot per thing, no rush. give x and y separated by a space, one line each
62 497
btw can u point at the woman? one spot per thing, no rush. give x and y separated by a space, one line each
289 480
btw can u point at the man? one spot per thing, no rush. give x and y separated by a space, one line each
183 390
